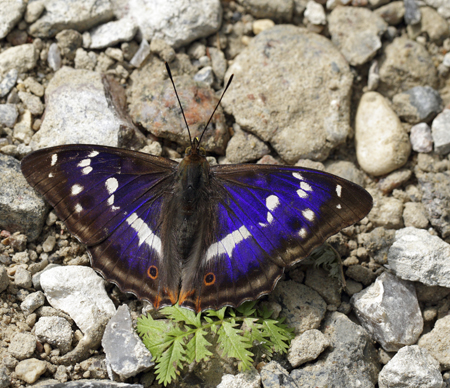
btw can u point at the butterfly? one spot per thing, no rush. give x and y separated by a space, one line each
202 235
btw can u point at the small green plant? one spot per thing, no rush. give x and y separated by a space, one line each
179 340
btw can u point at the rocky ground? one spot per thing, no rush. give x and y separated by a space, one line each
359 88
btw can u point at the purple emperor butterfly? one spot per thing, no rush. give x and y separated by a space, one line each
200 235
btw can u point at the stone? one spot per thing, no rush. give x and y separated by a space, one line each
244 147
303 307
389 311
22 345
69 41
77 98
431 23
280 11
273 373
32 302
326 285
361 274
79 292
348 342
33 103
34 86
382 145
386 211
315 13
261 25
22 278
360 43
323 100
412 12
394 180
12 11
141 54
247 379
417 255
437 342
8 82
109 34
218 62
54 57
442 6
421 138
392 13
205 75
414 215
21 58
55 331
30 370
412 366
8 115
85 60
4 279
125 352
345 169
80 15
440 131
307 347
34 10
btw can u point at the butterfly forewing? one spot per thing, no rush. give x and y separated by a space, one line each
270 218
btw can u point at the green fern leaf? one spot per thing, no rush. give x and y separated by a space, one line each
180 314
168 364
196 349
234 344
278 334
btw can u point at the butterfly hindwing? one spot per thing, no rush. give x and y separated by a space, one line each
270 217
111 200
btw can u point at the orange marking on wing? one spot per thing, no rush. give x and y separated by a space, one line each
172 296
184 295
157 301
152 272
197 305
209 279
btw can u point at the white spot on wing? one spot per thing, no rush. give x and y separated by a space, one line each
111 185
308 214
50 175
93 154
76 189
228 243
144 233
54 159
110 202
302 194
86 170
297 175
302 233
339 190
84 163
272 202
339 206
78 208
304 186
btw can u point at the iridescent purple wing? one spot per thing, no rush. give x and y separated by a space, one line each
268 218
111 200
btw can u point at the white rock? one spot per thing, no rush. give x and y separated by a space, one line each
11 13
315 13
22 58
141 54
440 130
79 292
109 34
249 379
55 331
382 145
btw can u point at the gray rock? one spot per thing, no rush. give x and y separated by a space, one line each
271 112
417 255
437 342
79 15
32 302
432 24
248 379
244 147
440 131
141 54
8 82
351 361
386 211
218 62
327 286
307 347
69 41
12 11
382 145
205 75
8 114
22 345
109 34
4 279
394 180
92 383
21 58
30 370
412 12
345 169
22 278
74 100
361 274
414 215
153 104
303 307
421 138
79 292
412 366
178 22
273 375
389 311
56 331
405 64
33 103
5 380
391 13
421 103
281 10
360 42
124 350
54 57
21 209
436 199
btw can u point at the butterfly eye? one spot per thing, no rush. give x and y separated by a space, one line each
210 279
188 151
152 272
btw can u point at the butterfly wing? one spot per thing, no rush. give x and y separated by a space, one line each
269 217
111 200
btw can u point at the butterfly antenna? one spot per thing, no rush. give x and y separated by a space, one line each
179 102
223 93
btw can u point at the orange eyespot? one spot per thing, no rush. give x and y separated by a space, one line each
209 279
152 272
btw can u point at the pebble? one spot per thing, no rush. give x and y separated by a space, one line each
8 82
205 75
11 14
389 311
30 370
22 278
440 131
416 255
8 115
382 145
141 54
34 10
69 41
437 342
414 215
21 58
412 12
244 147
32 102
56 331
392 13
432 24
412 366
315 13
307 347
49 244
421 138
54 57
4 279
79 292
280 10
32 302
345 169
34 86
109 34
218 63
247 379
261 25
360 43
22 345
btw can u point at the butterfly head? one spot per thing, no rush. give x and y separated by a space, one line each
195 149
